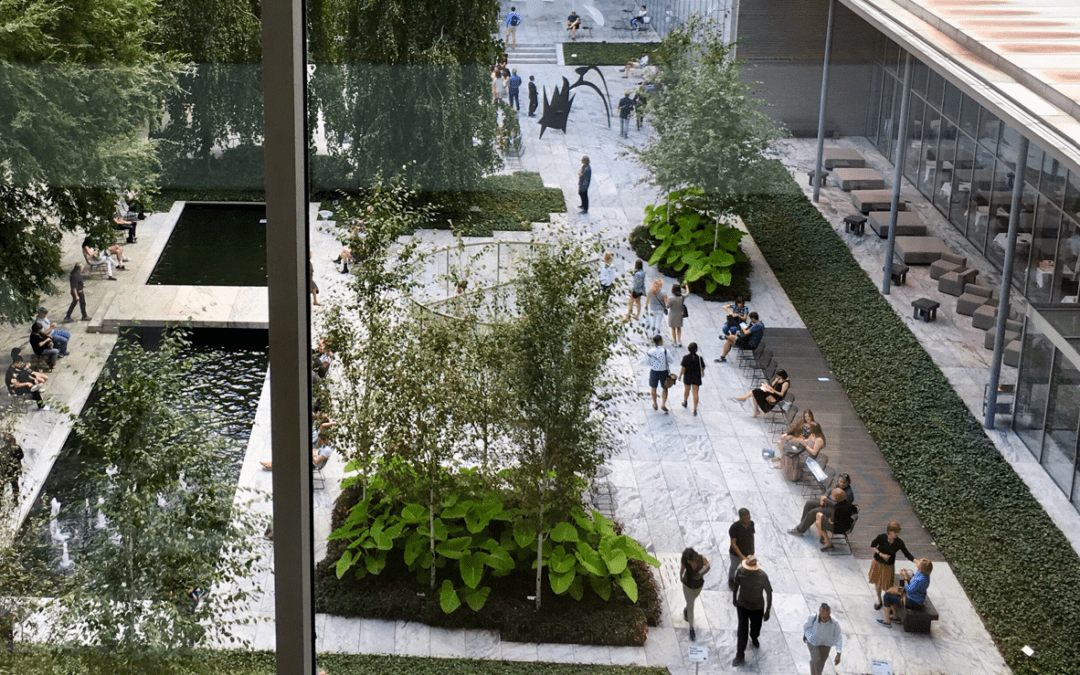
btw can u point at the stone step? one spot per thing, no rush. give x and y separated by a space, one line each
533 55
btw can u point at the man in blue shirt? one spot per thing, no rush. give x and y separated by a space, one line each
515 87
513 20
744 338
626 106
573 22
912 593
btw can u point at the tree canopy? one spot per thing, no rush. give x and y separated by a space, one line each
710 130
77 88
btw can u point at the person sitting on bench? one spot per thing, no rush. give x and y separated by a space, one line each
42 345
639 20
573 23
21 381
641 63
912 594
744 338
841 522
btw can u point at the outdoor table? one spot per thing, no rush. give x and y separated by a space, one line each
898 272
855 224
925 309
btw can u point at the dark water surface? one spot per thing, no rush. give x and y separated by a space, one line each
225 385
215 245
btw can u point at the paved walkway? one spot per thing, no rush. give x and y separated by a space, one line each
678 482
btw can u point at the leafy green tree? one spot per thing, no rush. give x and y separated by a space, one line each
77 88
218 104
400 82
562 339
170 523
710 129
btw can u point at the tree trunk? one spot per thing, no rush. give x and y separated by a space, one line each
431 531
540 550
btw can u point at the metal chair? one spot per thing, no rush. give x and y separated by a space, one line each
783 415
748 358
842 537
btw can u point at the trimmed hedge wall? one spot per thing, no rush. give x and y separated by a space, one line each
238 662
1017 567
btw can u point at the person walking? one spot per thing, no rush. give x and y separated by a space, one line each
584 178
741 533
693 367
513 20
676 306
659 359
78 297
626 106
607 276
534 99
656 306
637 291
821 633
692 573
750 584
515 88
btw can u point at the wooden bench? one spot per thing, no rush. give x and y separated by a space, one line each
834 158
918 620
858 179
875 200
908 224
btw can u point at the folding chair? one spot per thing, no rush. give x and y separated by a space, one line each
842 537
748 358
783 415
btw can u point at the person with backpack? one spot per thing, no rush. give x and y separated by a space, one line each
514 86
513 20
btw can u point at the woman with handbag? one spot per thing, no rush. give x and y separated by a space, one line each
637 290
656 305
676 308
768 394
693 367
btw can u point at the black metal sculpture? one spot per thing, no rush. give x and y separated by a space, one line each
557 111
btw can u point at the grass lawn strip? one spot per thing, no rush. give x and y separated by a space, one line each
1017 567
606 53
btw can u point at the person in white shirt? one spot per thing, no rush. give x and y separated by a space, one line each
821 633
641 63
607 276
660 360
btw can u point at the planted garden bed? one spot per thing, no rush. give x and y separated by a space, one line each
391 582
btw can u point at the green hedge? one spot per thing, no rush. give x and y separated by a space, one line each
236 662
1017 567
606 53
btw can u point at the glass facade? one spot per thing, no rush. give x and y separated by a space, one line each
963 160
1047 415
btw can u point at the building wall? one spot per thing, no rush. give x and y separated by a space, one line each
783 45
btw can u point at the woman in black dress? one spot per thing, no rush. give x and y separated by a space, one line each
693 367
768 394
883 564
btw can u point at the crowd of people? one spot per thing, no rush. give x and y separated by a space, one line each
800 446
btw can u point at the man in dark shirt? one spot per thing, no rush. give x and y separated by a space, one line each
626 106
534 99
750 583
11 457
19 381
573 22
744 338
75 280
823 504
584 178
841 520
515 88
742 543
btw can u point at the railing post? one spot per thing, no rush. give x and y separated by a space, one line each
824 96
898 174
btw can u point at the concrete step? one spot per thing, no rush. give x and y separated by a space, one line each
533 54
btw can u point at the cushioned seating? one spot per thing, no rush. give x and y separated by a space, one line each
848 179
1012 332
1012 354
918 620
874 200
948 262
840 157
974 296
985 317
908 224
919 250
952 283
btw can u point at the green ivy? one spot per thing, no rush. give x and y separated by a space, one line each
1019 570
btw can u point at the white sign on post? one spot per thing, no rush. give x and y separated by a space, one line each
699 654
881 667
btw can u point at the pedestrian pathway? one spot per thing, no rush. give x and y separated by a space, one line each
680 479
